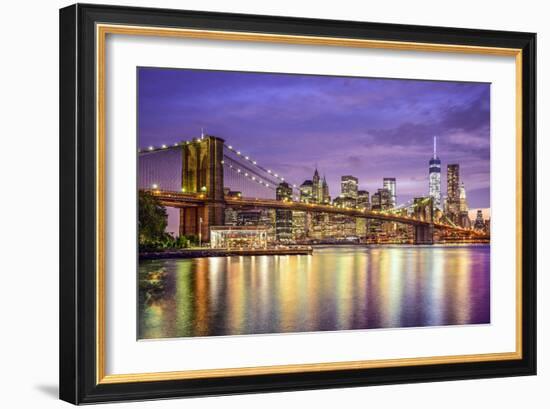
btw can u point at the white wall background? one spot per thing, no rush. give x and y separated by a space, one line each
28 229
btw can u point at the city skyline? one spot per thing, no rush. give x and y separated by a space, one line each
358 138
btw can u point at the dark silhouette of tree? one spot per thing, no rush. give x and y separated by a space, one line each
153 219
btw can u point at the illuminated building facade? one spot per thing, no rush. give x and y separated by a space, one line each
317 189
363 201
306 191
453 191
283 217
325 195
479 223
389 184
463 203
349 186
230 237
435 177
381 200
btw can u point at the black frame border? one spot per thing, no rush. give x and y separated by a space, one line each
78 197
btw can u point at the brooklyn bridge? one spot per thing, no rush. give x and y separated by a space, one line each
205 176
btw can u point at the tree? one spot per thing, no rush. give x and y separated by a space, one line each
153 219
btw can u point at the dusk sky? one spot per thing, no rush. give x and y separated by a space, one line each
366 127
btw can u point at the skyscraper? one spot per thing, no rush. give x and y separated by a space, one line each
363 201
462 198
317 189
463 219
349 185
435 177
381 200
389 185
453 190
306 191
325 195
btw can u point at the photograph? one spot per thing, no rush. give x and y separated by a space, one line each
273 203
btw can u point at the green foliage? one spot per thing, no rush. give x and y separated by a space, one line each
152 223
153 219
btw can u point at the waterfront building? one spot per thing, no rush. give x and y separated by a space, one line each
361 226
231 216
300 225
231 237
249 217
283 217
453 191
435 177
389 184
349 187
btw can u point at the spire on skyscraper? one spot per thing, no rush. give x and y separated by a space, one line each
435 147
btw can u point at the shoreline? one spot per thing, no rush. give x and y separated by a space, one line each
199 253
295 251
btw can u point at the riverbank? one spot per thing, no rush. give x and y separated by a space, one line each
207 252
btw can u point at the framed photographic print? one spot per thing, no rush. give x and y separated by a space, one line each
257 203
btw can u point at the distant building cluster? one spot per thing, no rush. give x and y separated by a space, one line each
454 206
292 226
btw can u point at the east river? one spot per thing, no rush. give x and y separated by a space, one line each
336 288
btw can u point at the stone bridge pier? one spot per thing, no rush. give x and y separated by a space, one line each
424 234
202 172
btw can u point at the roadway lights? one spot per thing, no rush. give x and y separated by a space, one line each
246 157
254 162
253 178
163 146
155 186
238 152
268 171
151 148
238 171
230 147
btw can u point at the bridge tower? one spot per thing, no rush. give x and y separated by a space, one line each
424 211
202 173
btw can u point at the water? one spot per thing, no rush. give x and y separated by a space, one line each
336 288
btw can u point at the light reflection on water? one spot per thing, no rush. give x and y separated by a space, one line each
336 288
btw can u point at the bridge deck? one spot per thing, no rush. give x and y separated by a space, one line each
183 200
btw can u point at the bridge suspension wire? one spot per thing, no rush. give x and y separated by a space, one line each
251 162
246 184
160 169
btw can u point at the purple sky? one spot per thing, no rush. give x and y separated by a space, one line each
366 127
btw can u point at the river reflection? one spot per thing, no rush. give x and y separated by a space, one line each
336 288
